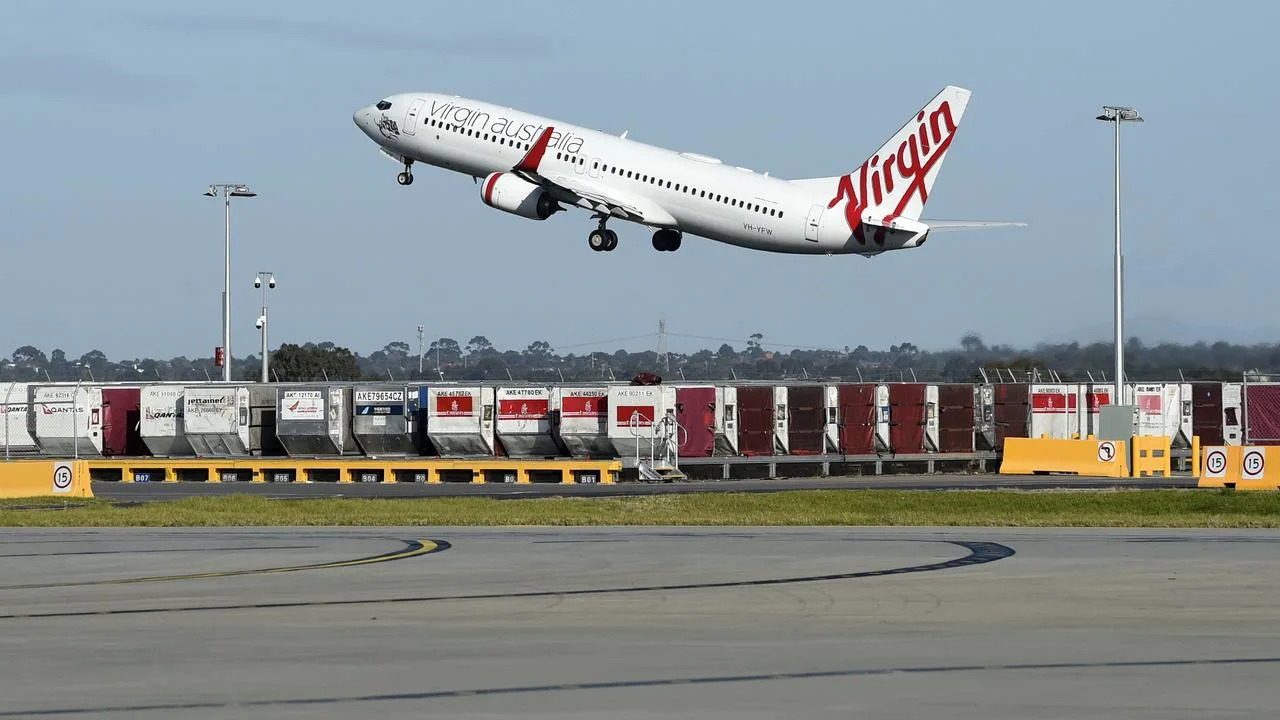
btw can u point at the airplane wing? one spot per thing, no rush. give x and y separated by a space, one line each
588 195
943 225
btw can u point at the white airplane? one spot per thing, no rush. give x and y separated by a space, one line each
533 167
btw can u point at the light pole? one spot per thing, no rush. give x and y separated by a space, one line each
420 329
1117 114
262 319
228 191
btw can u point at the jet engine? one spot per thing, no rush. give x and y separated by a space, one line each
513 194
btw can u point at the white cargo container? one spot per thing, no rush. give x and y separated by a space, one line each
1163 409
932 422
460 420
831 429
581 420
781 424
1092 398
642 419
883 413
726 420
1233 413
216 420
524 422
64 420
1054 411
16 438
161 424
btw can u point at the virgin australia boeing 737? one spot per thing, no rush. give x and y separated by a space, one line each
533 167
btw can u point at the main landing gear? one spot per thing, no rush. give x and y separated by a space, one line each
602 239
666 240
406 177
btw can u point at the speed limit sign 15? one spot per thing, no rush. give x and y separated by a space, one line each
1254 464
1215 462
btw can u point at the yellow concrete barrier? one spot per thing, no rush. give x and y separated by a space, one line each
1151 456
1219 466
45 478
1095 458
1255 471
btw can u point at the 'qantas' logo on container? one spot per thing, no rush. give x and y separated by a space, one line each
911 164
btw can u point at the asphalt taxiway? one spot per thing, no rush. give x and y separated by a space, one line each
638 623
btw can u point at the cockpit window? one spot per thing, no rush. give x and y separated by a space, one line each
384 105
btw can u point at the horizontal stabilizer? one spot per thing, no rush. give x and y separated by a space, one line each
941 225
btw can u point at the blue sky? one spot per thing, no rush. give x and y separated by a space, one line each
117 115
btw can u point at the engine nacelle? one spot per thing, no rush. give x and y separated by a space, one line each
513 194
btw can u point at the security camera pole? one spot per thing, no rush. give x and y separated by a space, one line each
262 319
228 190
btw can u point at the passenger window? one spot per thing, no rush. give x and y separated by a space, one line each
779 213
595 166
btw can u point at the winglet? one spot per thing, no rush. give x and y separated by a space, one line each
533 158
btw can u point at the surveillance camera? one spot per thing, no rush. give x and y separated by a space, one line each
257 282
271 283
261 321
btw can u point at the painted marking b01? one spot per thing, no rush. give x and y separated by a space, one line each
1254 465
1106 451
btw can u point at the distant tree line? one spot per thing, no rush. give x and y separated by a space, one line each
478 360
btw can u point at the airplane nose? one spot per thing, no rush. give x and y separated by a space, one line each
361 116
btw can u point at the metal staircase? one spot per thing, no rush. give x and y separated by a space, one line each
662 464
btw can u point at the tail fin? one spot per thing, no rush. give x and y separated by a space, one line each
895 182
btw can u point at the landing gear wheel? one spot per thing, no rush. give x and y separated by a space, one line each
612 238
666 240
598 240
405 178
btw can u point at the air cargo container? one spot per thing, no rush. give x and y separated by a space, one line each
726 442
807 420
460 420
755 420
385 419
524 422
1163 409
696 414
121 421
161 425
1054 411
1262 413
913 418
313 421
16 439
65 420
1011 411
857 417
216 420
581 420
642 421
956 418
1092 397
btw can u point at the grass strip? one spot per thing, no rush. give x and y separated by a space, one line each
1105 508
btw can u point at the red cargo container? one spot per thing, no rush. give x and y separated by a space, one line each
121 422
906 418
1262 408
1012 408
806 428
696 413
755 420
955 418
1206 412
857 419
